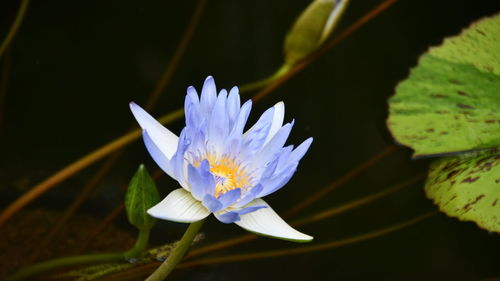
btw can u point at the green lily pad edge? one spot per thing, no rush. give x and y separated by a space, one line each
467 187
450 103
450 106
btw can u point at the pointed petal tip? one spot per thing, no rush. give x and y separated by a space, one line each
235 89
268 223
306 144
134 106
209 78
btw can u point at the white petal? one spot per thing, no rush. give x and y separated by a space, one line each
165 140
278 117
179 206
265 221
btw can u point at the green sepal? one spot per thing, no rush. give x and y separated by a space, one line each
142 194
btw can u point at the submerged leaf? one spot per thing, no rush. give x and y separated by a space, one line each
451 101
141 195
468 187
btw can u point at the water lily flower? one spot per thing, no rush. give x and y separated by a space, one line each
222 169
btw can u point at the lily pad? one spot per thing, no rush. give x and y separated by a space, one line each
450 103
468 187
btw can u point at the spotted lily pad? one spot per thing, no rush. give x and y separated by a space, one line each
468 187
450 103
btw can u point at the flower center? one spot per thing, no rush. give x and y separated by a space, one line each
228 175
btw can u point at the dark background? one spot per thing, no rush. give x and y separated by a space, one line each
75 65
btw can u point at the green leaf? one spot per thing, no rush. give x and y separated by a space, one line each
468 187
141 195
451 100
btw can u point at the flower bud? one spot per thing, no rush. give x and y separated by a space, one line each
311 28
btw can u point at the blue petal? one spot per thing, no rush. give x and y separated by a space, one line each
228 217
204 170
241 120
278 181
271 150
250 209
200 180
218 128
178 161
211 203
192 107
283 157
299 152
254 138
249 196
234 140
233 106
269 169
230 197
198 145
208 96
234 216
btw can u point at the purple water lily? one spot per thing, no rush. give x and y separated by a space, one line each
222 169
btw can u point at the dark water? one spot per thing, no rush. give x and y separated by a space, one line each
75 65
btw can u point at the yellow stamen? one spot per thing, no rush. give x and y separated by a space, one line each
227 172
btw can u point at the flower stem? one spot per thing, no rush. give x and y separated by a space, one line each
140 245
177 253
